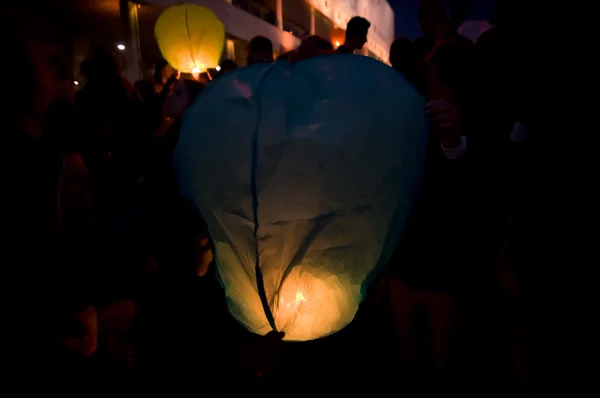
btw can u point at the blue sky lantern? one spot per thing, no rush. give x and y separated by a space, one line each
305 176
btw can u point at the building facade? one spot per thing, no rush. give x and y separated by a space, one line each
284 22
127 26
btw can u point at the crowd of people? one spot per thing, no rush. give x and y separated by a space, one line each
115 274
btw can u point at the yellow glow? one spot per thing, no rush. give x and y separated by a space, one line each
337 36
121 47
190 37
309 307
309 304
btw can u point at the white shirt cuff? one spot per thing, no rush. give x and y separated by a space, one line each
455 153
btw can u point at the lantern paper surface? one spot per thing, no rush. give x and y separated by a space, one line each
305 175
190 37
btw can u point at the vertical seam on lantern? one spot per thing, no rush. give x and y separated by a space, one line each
187 28
260 284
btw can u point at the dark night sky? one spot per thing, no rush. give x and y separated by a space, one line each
406 15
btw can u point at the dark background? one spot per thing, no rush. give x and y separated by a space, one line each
406 15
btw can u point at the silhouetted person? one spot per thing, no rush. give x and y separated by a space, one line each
162 72
550 95
260 50
227 65
311 47
356 35
459 12
403 57
432 21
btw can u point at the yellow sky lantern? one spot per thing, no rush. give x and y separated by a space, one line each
190 37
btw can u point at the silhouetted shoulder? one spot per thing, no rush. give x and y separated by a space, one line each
489 38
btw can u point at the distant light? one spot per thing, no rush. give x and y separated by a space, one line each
121 47
76 83
218 68
195 70
337 43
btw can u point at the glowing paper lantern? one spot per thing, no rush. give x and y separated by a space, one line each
190 37
305 175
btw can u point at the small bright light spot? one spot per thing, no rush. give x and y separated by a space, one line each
218 68
195 70
76 83
121 47
337 43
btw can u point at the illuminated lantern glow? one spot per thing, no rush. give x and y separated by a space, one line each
337 36
190 37
305 176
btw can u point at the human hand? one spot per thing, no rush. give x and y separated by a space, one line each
446 122
203 255
257 358
177 101
116 323
80 332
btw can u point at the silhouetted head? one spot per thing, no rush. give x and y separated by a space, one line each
163 71
432 17
459 12
402 54
313 46
227 65
184 93
39 71
260 50
356 33
103 65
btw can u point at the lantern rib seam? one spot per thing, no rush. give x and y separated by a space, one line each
189 35
253 188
